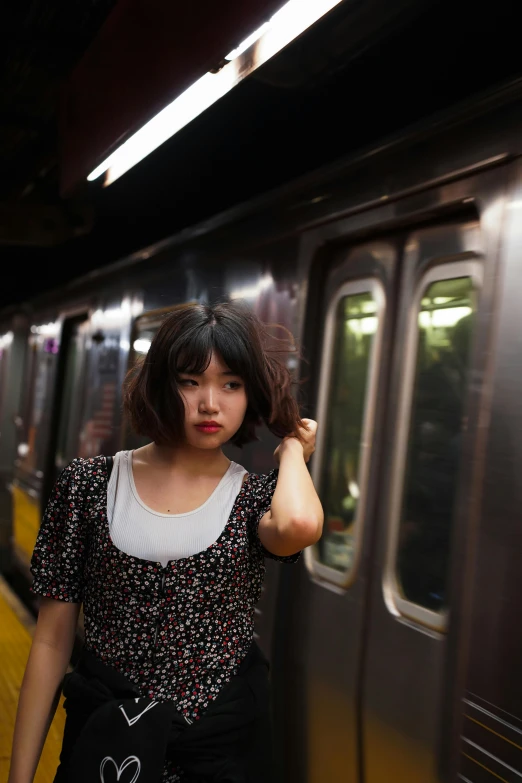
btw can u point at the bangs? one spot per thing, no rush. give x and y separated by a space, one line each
192 354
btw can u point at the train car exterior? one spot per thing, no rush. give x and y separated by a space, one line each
395 643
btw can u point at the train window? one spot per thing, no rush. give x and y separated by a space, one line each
345 410
435 388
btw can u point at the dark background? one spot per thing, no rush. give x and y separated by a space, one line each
305 109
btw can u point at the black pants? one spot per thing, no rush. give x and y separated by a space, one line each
255 755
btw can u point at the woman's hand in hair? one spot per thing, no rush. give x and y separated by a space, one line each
306 437
295 518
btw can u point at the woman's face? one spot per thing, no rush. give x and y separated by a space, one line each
217 396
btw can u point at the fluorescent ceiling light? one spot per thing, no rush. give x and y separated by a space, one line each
247 43
290 21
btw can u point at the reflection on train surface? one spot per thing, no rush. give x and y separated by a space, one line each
395 644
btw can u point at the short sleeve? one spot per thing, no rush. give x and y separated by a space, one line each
59 555
262 494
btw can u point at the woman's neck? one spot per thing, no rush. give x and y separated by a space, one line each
187 460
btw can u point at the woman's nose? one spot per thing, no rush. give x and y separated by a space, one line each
209 401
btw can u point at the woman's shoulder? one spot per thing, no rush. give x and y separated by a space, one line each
260 483
83 467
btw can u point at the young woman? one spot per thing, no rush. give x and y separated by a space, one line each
166 552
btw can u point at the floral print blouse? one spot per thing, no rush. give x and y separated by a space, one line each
179 633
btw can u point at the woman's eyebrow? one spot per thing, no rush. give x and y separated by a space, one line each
198 374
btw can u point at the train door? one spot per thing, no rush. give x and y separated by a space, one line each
33 423
68 398
358 312
47 421
405 652
12 354
72 381
398 317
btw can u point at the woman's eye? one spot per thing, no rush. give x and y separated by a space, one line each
186 381
234 384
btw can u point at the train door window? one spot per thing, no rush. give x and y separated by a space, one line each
428 455
72 385
345 409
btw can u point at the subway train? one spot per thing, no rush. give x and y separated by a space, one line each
395 643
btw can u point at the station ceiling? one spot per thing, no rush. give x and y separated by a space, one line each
77 74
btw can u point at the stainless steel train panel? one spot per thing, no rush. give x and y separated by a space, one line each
491 701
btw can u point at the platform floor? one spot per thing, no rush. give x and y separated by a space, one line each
16 627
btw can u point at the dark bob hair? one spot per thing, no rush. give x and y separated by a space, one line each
184 343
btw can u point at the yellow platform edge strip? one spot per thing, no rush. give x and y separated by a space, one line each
16 630
26 512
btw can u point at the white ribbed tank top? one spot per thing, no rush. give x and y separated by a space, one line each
141 532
